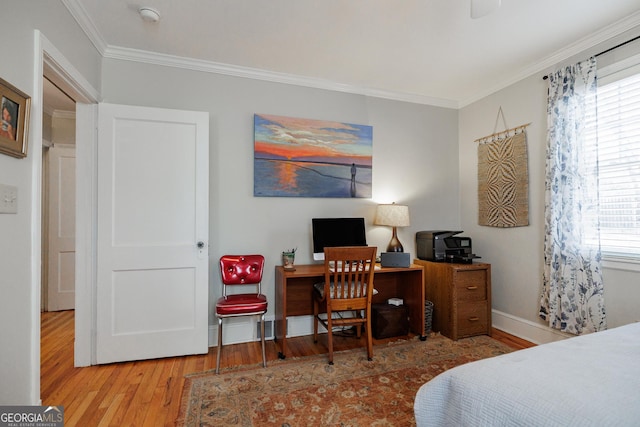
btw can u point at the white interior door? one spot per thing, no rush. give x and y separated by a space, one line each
61 227
152 235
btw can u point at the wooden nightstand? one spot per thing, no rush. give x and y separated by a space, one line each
461 297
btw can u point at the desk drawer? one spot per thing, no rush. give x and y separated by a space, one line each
472 319
471 290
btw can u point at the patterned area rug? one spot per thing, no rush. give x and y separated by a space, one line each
308 391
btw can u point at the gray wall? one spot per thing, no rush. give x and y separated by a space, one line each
19 249
415 158
516 254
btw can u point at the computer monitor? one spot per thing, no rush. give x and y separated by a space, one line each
328 232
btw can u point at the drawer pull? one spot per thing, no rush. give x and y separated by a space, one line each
472 288
474 319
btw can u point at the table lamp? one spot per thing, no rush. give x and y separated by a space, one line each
394 216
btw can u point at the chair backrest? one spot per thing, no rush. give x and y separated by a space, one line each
349 271
241 270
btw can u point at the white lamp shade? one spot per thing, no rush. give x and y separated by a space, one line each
392 215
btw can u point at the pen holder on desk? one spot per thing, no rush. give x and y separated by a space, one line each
288 259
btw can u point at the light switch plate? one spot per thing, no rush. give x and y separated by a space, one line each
8 199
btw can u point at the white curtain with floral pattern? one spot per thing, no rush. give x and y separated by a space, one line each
572 294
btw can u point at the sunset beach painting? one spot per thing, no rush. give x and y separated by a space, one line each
296 157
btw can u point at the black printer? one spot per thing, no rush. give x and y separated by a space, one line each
444 246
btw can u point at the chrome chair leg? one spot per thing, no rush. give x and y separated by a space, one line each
264 354
219 344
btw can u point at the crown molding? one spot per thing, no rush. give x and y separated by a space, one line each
63 114
87 25
58 114
127 54
579 47
83 19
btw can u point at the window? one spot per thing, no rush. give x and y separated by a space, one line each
618 132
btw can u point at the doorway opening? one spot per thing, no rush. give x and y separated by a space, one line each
80 97
58 199
57 304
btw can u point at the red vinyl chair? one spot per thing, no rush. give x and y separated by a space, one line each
241 270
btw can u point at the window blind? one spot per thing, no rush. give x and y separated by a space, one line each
618 133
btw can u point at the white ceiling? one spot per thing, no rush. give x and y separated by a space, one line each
427 51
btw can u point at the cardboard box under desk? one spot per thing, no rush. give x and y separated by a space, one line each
389 320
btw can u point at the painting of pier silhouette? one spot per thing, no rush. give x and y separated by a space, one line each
296 157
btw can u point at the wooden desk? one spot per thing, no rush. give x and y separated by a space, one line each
294 295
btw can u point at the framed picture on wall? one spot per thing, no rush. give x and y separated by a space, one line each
295 157
14 106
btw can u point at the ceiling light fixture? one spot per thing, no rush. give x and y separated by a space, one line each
149 14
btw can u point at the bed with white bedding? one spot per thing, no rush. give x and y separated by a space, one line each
590 380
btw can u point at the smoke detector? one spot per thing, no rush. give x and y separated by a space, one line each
149 14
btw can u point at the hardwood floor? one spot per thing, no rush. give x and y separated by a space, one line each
511 340
146 393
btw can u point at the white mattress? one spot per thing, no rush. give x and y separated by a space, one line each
590 380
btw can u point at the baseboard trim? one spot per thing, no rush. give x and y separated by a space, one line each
525 329
240 330
245 330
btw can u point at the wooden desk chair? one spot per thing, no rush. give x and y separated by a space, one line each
347 287
241 270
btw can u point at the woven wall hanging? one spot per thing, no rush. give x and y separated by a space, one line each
503 177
